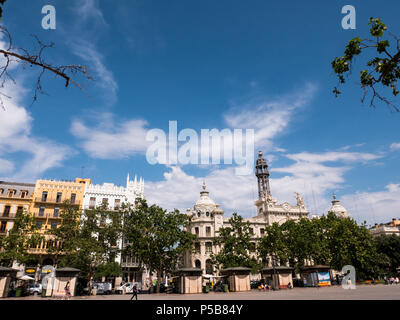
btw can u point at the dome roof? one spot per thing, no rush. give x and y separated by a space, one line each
338 209
205 200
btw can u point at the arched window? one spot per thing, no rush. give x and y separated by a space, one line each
198 213
197 264
207 214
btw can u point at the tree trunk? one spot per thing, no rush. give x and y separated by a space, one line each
159 277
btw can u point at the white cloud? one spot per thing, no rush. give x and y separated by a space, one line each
309 175
102 76
395 146
6 166
374 207
89 10
15 137
271 117
111 139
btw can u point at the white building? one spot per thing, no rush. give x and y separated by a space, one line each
208 218
114 196
96 195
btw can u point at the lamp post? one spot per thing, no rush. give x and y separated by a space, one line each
274 287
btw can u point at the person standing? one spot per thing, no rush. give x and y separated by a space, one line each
67 291
134 292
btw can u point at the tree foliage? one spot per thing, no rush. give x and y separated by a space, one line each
1 8
16 244
157 239
382 69
235 245
329 240
389 246
88 240
110 269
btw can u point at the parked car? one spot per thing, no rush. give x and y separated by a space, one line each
35 288
128 287
101 287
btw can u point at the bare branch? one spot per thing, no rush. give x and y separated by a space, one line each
24 57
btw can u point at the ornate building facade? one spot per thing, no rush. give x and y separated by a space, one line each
114 196
14 197
208 218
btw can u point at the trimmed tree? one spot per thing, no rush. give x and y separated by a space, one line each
155 237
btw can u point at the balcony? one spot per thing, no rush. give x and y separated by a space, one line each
15 196
54 201
37 250
41 216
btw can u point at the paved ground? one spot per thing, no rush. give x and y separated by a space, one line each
362 292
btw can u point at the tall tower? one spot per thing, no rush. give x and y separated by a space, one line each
262 175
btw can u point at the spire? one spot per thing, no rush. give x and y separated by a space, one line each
127 180
262 175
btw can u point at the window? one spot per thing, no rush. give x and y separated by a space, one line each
92 203
207 214
252 247
197 264
41 211
11 193
54 225
20 209
105 201
262 231
208 231
198 214
1 190
251 231
117 204
196 230
59 196
44 196
39 225
208 247
56 212
197 247
24 194
3 226
6 212
73 197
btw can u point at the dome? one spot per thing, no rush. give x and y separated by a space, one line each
338 209
218 210
205 202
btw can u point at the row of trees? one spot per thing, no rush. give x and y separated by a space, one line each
330 240
91 240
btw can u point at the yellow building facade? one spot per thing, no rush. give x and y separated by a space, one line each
47 200
14 197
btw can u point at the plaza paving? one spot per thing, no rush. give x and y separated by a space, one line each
362 292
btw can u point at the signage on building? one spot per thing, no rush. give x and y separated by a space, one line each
30 270
324 279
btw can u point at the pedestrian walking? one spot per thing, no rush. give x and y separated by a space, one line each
134 292
67 291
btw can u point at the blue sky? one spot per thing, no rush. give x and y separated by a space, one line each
205 64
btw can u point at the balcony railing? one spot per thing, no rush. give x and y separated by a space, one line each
37 250
8 215
55 201
15 196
